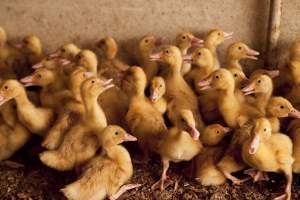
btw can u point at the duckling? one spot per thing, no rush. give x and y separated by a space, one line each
79 144
262 87
203 59
180 143
67 51
240 78
272 73
144 121
87 59
49 96
238 51
13 135
184 41
269 152
213 39
106 174
36 119
109 65
206 171
72 110
157 91
145 46
178 91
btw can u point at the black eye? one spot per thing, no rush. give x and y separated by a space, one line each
281 107
39 76
167 51
218 132
219 33
265 130
160 86
183 37
235 75
26 42
63 50
182 120
217 77
240 48
79 56
146 41
199 53
6 87
93 81
259 81
117 133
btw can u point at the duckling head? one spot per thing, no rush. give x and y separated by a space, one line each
259 84
202 57
134 82
186 39
262 130
214 133
51 63
239 50
187 122
93 87
221 79
10 89
170 55
281 107
217 36
239 76
40 77
108 46
31 45
272 73
157 88
3 37
87 59
148 43
67 51
78 76
114 135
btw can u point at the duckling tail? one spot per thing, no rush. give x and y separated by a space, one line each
211 177
55 160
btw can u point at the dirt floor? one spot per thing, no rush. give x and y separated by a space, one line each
36 181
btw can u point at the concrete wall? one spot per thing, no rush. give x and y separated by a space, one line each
85 21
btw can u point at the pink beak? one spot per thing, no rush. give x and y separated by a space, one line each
228 35
294 113
187 58
38 65
252 54
88 74
154 95
107 84
227 129
2 100
249 89
64 61
53 55
19 45
129 138
155 56
273 73
28 81
254 145
194 132
205 84
196 41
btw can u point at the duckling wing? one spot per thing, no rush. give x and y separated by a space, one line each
283 148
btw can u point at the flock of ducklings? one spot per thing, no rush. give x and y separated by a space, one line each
195 110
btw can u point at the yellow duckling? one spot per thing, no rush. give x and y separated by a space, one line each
179 143
106 174
178 91
157 91
67 51
213 39
87 59
185 41
269 152
144 121
79 144
145 46
206 171
36 119
238 51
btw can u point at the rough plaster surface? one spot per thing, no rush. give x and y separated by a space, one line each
85 21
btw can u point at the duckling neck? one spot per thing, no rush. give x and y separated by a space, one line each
22 99
234 63
75 89
175 68
94 113
211 46
119 154
262 100
110 54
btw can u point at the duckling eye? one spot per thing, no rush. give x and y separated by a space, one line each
281 107
39 76
219 33
199 53
182 120
93 81
218 132
117 133
217 77
63 50
265 130
240 48
235 75
146 41
259 81
26 42
167 51
160 86
6 87
183 37
79 56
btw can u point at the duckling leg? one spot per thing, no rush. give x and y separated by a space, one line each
166 164
234 179
11 164
257 175
123 189
287 194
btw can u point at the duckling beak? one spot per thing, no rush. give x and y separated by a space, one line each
249 89
294 113
155 56
227 35
28 81
205 84
2 100
38 65
53 55
88 74
254 144
273 73
19 45
227 129
196 41
252 54
107 84
194 132
187 58
64 61
154 95
129 138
